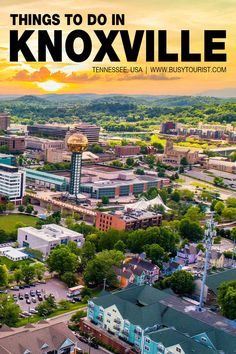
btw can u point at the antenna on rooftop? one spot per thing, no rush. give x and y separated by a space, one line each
210 232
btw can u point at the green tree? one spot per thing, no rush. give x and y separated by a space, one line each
175 196
3 275
10 206
29 209
100 268
184 161
64 304
190 230
194 214
28 273
10 312
69 278
105 200
39 269
21 208
155 252
229 214
120 246
76 317
88 252
129 161
18 275
219 207
231 202
227 299
182 282
61 260
218 181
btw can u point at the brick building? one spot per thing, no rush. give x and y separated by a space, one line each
128 150
13 143
4 121
127 221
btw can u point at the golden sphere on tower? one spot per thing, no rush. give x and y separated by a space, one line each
77 142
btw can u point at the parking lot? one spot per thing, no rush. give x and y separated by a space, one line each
53 286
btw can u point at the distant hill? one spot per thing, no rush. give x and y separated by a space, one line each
31 99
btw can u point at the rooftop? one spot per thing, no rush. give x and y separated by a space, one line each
213 281
145 306
35 338
51 232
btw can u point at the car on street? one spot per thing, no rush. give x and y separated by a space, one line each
28 301
26 296
33 300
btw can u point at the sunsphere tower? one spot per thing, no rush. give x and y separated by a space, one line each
76 143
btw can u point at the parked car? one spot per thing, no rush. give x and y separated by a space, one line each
33 300
21 297
38 292
15 288
33 311
82 339
26 296
28 301
32 293
77 298
40 298
94 345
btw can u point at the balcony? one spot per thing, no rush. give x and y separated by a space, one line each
117 328
117 320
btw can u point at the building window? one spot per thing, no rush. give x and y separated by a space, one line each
147 340
178 350
26 237
146 348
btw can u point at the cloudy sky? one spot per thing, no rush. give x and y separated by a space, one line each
69 77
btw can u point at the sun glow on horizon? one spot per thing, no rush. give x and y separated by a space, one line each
50 85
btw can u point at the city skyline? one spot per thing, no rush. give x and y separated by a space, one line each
69 77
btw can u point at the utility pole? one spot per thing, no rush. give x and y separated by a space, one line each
104 283
210 232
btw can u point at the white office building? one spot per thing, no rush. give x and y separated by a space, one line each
47 238
12 183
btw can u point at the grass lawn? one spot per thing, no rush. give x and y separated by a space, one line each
57 312
201 185
11 264
8 222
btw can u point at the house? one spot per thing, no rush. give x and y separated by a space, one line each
188 253
170 267
149 320
216 259
213 282
124 275
145 271
44 338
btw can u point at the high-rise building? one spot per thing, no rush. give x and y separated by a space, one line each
12 182
4 121
76 143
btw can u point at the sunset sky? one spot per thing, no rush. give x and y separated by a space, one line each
69 77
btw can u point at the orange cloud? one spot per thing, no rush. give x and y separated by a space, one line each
44 74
